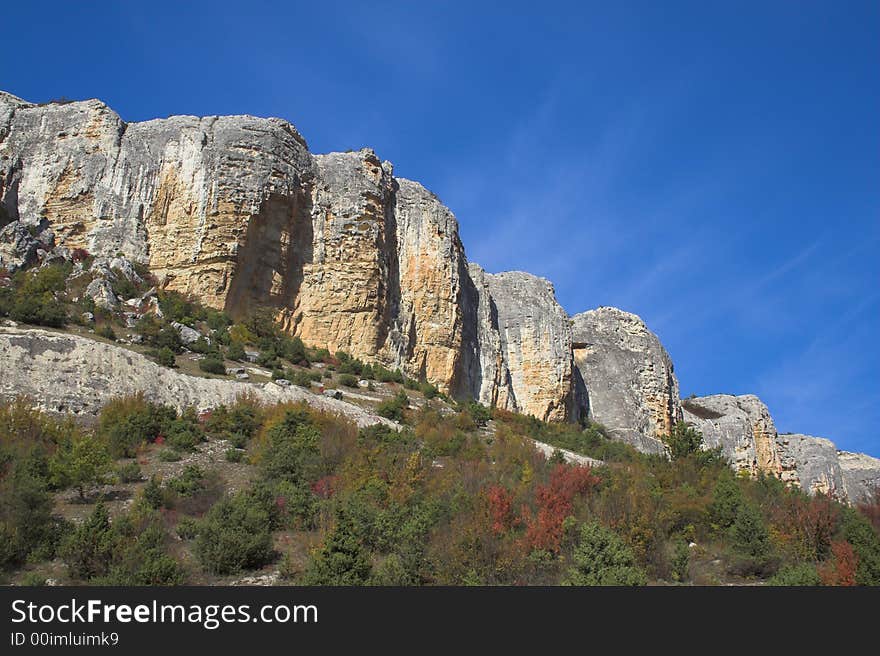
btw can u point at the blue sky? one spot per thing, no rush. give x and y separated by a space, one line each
712 167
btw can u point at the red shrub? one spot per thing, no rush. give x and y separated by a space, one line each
500 508
325 487
841 568
80 254
554 502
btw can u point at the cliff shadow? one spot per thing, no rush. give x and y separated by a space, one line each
269 265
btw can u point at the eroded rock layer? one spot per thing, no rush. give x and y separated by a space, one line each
71 374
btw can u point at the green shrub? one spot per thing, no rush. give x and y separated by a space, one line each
128 422
393 408
726 501
348 380
88 550
169 455
430 391
857 530
235 351
130 472
153 494
81 461
212 366
750 546
189 482
203 346
304 378
235 535
799 575
187 528
234 455
480 413
106 331
342 560
183 433
601 557
165 357
124 287
159 333
680 560
27 528
129 552
241 418
292 453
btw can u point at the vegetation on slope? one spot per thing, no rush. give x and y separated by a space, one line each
453 498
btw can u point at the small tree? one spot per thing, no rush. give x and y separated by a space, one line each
603 558
82 462
726 501
235 351
751 548
342 560
393 408
798 575
683 441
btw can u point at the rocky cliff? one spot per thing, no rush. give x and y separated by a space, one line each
741 426
628 379
236 211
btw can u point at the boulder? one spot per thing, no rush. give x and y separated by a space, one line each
18 247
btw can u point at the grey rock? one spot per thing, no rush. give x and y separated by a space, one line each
232 371
124 266
18 247
333 393
187 335
741 426
283 382
861 476
242 376
95 372
811 463
487 373
534 364
88 317
101 292
626 379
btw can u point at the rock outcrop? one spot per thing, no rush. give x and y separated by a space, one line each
744 430
71 374
811 463
741 426
629 384
534 342
861 476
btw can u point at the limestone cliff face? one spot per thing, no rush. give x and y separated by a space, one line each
811 463
534 338
236 211
741 426
629 384
861 476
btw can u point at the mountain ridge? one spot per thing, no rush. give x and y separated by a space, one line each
236 211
